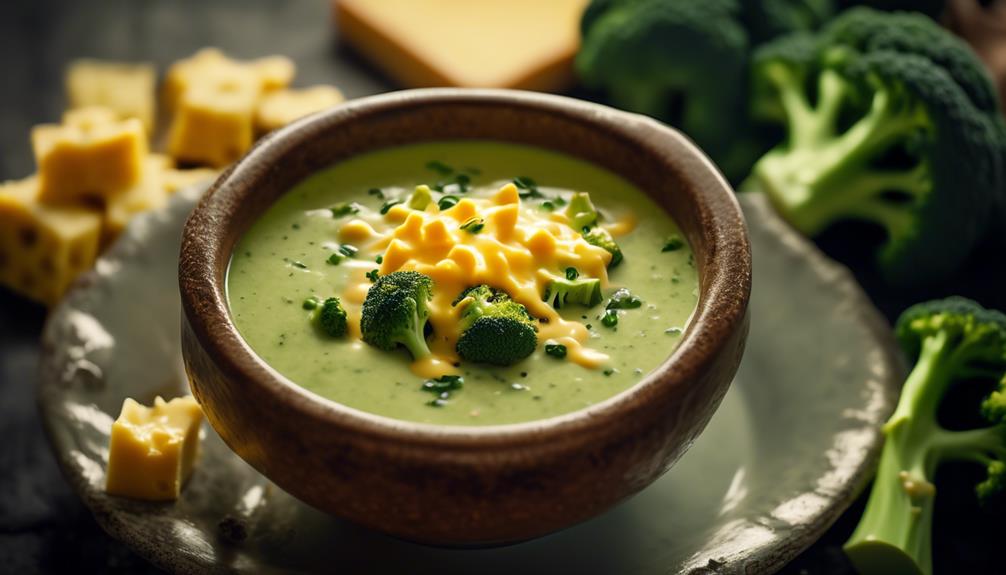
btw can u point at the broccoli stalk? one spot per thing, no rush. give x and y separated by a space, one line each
561 292
601 238
395 313
954 340
494 328
823 175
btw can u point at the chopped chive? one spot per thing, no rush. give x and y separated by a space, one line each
376 192
623 299
473 225
447 202
572 274
344 209
556 350
439 167
673 244
335 259
299 264
442 387
610 318
673 331
311 303
372 275
348 250
379 259
548 206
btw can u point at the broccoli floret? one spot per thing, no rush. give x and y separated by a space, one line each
601 238
954 342
931 8
494 328
681 62
329 317
581 212
885 129
395 312
420 198
584 291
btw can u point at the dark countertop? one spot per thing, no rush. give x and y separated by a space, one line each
43 527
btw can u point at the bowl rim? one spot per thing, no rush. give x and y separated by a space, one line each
721 307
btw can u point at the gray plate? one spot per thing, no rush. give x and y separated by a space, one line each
788 450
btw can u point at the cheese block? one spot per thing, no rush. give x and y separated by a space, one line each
90 156
211 66
281 107
213 123
527 44
42 248
153 450
148 194
126 89
175 180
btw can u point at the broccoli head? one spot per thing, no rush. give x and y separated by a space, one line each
682 62
953 342
395 312
766 19
494 328
890 121
329 317
561 292
601 238
581 212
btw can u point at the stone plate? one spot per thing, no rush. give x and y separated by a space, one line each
789 449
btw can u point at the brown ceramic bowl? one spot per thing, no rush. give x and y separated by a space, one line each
467 485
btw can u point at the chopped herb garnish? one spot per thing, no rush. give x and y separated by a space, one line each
447 202
572 274
348 250
463 181
548 206
442 387
556 350
311 303
609 371
372 275
379 259
528 187
300 265
376 192
344 209
388 205
673 331
610 318
673 244
622 299
473 225
439 167
335 259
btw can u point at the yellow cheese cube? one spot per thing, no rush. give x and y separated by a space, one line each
213 123
279 108
43 249
126 89
208 65
153 449
88 158
175 180
148 194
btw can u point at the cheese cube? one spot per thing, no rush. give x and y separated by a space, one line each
148 194
126 89
153 450
43 249
213 122
210 64
175 180
281 107
88 158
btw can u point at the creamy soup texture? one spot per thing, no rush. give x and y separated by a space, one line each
498 214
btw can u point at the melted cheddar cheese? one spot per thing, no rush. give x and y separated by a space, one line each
517 250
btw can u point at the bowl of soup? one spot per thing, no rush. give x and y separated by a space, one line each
465 317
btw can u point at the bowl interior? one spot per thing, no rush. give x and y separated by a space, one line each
659 161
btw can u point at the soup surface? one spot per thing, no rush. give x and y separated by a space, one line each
497 214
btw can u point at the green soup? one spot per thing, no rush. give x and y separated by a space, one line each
287 257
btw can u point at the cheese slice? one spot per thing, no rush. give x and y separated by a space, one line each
153 450
526 44
42 248
126 89
88 157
